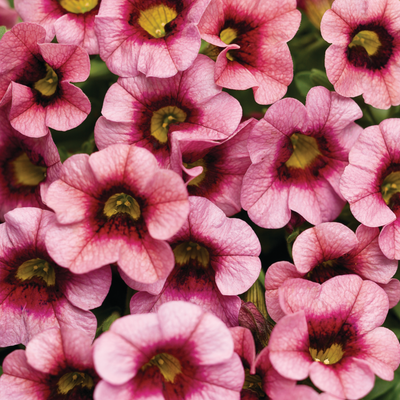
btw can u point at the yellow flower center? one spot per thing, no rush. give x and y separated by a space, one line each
37 267
26 173
168 365
154 19
305 151
390 186
187 251
367 39
78 6
196 181
121 203
254 383
72 379
47 86
329 356
228 35
316 9
162 119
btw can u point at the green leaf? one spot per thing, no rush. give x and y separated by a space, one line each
3 30
381 387
303 82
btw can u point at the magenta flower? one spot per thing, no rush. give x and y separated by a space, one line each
27 166
57 364
332 335
36 293
155 38
298 155
179 353
8 16
34 81
216 258
248 41
215 170
71 20
328 250
365 53
372 180
116 206
147 111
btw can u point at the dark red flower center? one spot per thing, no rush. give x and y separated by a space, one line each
327 270
168 365
371 47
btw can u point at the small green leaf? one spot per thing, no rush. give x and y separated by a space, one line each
303 82
3 30
319 78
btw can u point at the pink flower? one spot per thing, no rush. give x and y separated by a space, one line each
155 38
57 364
332 335
248 41
34 81
147 111
215 170
27 166
116 206
365 54
298 155
179 353
36 293
71 20
372 180
8 16
328 250
216 258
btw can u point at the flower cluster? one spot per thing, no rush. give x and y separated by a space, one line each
128 269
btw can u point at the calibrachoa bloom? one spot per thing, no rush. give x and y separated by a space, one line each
298 154
8 16
179 353
71 20
36 293
34 81
371 182
365 54
156 38
116 206
27 167
215 170
57 364
147 111
332 335
328 250
248 40
216 258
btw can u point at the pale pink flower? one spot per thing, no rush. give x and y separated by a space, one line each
180 353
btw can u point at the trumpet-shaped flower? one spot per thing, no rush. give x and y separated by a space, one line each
57 364
298 154
371 183
155 38
71 20
329 250
36 293
180 353
148 111
216 258
248 40
27 165
331 333
364 57
116 206
34 81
